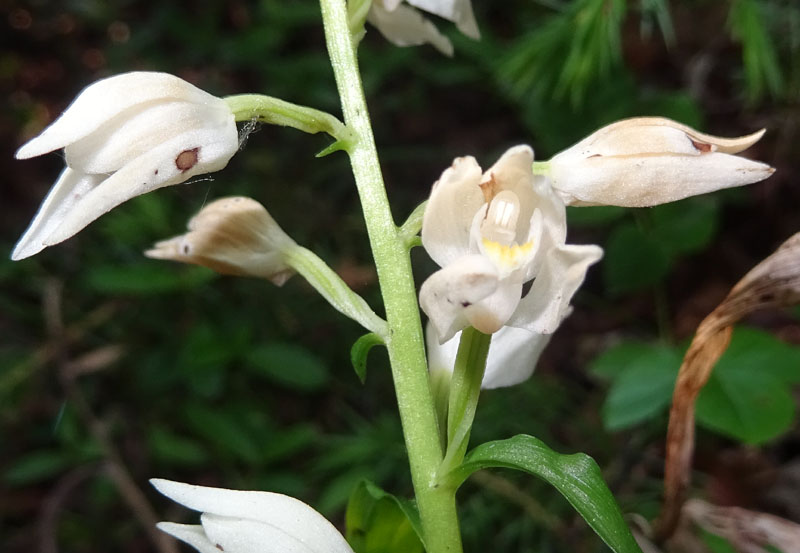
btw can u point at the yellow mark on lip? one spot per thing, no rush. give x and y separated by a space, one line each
507 257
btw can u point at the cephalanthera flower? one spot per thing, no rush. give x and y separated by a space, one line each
124 136
491 233
249 522
512 356
234 236
647 161
404 26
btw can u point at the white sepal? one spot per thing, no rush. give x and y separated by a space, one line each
405 26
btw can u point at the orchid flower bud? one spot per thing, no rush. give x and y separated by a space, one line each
647 161
233 236
402 25
512 357
122 137
491 233
249 522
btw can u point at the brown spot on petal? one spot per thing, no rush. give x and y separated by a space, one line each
186 159
220 547
489 188
701 147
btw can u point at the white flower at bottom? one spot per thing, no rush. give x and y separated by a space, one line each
404 26
512 357
122 137
249 522
491 233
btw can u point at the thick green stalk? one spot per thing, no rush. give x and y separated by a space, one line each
406 344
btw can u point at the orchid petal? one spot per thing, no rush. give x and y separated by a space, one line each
513 355
238 535
288 515
154 169
547 302
68 191
447 294
457 11
106 99
191 534
449 214
405 26
490 313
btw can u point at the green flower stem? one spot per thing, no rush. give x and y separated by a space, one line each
266 109
334 289
465 389
405 344
541 168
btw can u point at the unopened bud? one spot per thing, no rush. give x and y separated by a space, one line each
233 236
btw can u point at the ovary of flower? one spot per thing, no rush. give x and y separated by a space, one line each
512 357
122 137
233 236
491 233
403 25
647 161
249 522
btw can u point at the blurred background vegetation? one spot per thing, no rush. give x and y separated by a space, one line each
115 368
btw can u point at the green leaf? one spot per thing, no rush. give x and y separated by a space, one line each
595 215
633 260
289 365
758 351
746 404
576 476
225 430
360 351
174 449
618 358
643 389
144 279
378 522
686 226
37 466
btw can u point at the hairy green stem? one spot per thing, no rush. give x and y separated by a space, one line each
406 344
266 109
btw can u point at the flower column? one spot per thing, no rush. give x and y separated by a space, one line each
405 342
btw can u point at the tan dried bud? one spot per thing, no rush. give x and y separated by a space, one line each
233 236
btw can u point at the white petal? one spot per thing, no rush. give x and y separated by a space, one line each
290 515
651 180
237 535
448 293
192 534
491 313
405 26
513 355
155 169
66 193
514 172
143 128
455 199
547 302
457 11
105 99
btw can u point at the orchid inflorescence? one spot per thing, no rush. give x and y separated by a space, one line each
499 235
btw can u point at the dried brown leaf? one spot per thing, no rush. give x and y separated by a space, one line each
775 282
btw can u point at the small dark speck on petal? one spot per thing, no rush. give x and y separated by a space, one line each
465 304
155 172
220 547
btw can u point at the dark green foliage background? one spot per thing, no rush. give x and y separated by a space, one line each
236 383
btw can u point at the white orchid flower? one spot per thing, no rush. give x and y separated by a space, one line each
513 354
491 233
249 522
403 25
647 161
124 136
233 236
